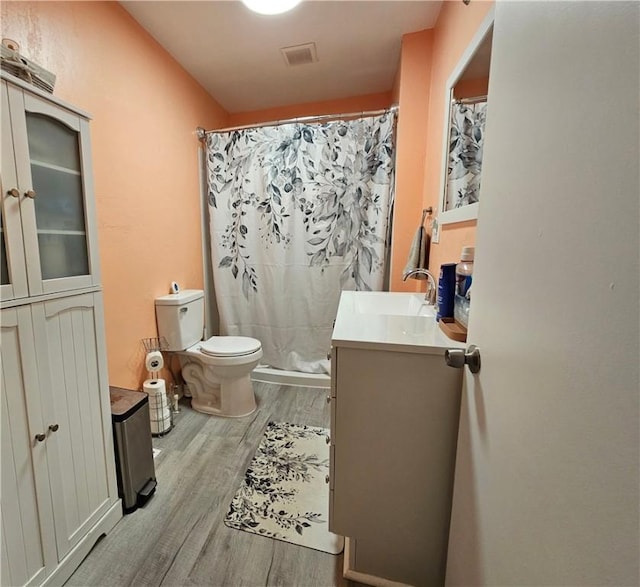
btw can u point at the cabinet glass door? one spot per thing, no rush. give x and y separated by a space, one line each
13 273
58 197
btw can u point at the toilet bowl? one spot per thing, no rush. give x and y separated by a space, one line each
217 370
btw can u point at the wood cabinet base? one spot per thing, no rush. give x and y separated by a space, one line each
72 561
351 572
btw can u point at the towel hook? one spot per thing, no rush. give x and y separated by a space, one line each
426 211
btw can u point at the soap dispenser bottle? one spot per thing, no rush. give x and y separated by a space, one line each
464 274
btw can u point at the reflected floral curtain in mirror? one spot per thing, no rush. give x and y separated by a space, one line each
466 138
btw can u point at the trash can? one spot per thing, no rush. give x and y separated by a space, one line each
134 451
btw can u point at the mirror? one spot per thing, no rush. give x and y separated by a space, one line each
465 116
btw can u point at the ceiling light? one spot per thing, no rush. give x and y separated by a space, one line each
270 6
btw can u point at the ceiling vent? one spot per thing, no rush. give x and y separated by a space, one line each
300 54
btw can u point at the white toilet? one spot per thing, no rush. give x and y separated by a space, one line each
217 370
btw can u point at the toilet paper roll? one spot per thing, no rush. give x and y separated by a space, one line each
159 415
156 395
156 390
154 361
157 403
159 427
155 387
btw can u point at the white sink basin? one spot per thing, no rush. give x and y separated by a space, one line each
389 320
384 303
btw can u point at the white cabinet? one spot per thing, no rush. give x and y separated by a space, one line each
395 409
59 491
50 242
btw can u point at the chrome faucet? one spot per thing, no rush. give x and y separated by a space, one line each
430 294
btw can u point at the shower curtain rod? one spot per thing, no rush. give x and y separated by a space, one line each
473 100
202 133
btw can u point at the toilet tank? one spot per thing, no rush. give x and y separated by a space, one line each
180 318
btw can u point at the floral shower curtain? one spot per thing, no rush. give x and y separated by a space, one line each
466 139
298 212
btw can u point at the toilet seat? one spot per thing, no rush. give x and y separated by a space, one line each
229 346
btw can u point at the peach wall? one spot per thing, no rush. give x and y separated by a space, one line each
412 89
145 109
456 26
471 88
341 106
395 90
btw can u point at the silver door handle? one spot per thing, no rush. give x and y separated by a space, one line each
458 358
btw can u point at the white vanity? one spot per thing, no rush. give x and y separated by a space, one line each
394 424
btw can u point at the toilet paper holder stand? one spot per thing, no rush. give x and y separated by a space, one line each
154 361
161 397
155 344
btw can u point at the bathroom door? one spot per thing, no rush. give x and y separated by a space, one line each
546 485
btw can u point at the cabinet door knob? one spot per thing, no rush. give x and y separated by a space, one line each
30 194
54 427
40 437
14 192
327 479
328 439
328 399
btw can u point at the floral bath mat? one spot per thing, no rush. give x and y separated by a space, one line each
284 494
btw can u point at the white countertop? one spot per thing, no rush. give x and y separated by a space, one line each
394 321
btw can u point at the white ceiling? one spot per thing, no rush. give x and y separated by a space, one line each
235 54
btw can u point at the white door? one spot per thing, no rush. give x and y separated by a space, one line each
546 489
70 361
28 547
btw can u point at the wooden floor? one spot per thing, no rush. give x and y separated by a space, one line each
179 538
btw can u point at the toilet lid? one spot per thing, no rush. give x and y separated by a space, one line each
229 346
